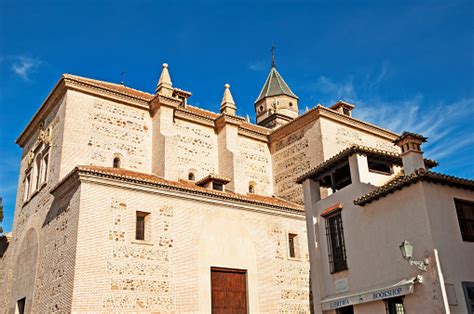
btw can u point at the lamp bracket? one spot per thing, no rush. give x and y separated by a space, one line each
419 264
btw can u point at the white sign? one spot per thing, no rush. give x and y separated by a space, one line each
341 285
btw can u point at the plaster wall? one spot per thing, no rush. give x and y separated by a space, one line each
187 235
372 235
456 256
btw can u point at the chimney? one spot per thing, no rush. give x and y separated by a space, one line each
343 107
412 156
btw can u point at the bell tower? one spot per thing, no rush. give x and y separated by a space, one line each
277 104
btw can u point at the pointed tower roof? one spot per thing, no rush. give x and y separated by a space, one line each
275 85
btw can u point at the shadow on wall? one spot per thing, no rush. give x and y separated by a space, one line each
3 245
59 206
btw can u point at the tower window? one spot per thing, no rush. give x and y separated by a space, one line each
251 188
27 187
291 104
292 250
191 176
260 109
346 111
116 162
140 225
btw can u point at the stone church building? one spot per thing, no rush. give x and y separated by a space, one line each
131 201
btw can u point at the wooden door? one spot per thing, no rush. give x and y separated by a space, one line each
229 290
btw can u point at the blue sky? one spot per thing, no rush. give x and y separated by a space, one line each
406 65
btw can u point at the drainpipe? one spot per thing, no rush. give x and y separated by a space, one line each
441 283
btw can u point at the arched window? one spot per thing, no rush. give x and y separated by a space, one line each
251 188
191 176
117 162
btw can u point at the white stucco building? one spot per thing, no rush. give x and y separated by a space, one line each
361 205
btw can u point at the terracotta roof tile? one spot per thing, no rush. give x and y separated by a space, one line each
402 181
119 88
187 186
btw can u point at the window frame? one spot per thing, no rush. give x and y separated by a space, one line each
293 245
468 223
142 232
391 305
337 259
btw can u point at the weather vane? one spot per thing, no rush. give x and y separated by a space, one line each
273 55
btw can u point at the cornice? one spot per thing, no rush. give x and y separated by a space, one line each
56 93
79 173
107 93
193 117
321 111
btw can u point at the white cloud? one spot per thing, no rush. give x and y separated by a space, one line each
24 66
447 125
258 66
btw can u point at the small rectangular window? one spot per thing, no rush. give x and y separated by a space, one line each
27 187
44 174
20 306
217 186
379 167
38 173
345 310
335 240
140 226
394 306
468 288
291 244
465 213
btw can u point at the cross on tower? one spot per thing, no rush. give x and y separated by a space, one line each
273 55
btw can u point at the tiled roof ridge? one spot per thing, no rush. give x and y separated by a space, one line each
355 148
402 180
114 86
189 187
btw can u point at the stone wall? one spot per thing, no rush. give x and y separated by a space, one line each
195 149
337 136
98 130
170 270
255 165
49 222
294 155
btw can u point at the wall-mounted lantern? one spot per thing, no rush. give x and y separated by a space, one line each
407 252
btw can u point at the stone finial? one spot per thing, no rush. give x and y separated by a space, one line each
165 80
228 104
